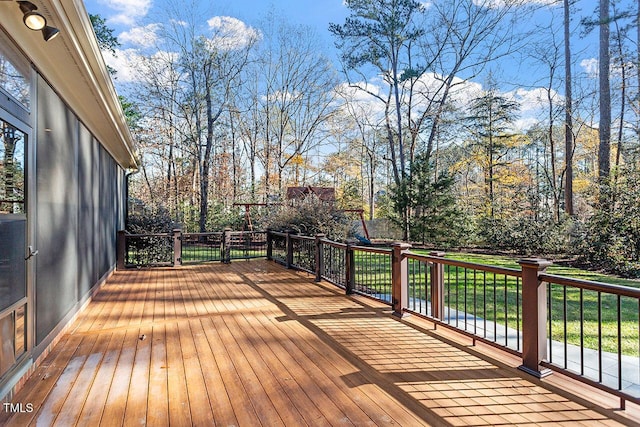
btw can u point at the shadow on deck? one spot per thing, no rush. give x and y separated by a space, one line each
250 343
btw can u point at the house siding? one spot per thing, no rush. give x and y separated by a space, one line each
79 209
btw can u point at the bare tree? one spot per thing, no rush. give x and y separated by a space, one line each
548 52
187 90
604 148
295 95
368 128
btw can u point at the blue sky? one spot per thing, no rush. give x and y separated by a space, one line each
122 15
133 22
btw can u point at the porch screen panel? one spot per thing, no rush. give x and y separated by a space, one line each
88 198
57 211
13 218
107 213
12 266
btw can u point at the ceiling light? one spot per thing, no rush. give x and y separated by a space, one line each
32 19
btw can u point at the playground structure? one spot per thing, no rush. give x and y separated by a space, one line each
326 195
360 212
248 225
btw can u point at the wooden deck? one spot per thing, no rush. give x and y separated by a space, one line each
252 344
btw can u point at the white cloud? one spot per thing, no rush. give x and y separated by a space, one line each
534 100
141 36
463 91
525 123
230 33
429 87
362 99
126 62
534 105
590 66
178 22
131 66
127 11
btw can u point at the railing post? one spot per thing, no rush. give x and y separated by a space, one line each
319 256
226 246
399 279
437 287
177 246
269 245
289 246
121 250
350 268
534 317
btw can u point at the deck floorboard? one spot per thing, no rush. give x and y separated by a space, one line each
252 344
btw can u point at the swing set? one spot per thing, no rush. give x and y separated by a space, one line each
325 194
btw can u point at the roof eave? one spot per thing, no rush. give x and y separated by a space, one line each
73 64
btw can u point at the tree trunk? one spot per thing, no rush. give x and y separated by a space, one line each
206 161
638 61
234 161
623 99
552 148
491 202
568 116
604 148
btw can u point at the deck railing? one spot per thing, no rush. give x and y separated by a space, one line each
372 272
482 301
148 250
588 330
593 333
177 248
334 264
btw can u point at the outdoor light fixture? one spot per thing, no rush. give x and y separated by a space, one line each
35 21
32 19
49 33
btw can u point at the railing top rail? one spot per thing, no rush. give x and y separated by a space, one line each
208 233
278 233
245 232
464 264
129 235
301 237
591 285
382 251
332 243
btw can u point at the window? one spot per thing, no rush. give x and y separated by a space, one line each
14 74
12 171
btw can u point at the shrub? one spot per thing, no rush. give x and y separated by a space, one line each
525 236
610 239
147 220
308 217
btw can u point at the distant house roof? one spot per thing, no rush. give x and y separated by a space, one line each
73 65
325 194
